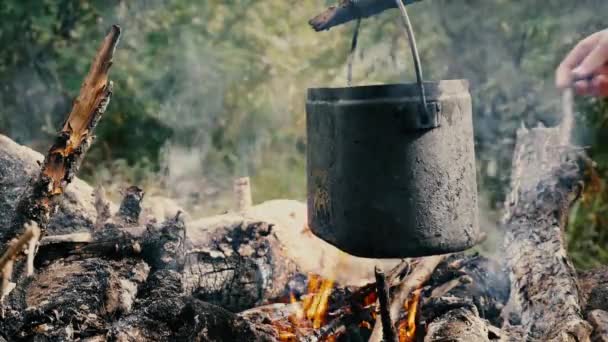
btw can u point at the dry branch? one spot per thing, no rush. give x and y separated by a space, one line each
546 179
16 246
348 10
31 234
71 144
388 327
420 274
242 193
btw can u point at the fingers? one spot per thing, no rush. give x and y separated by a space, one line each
594 60
564 77
599 86
596 85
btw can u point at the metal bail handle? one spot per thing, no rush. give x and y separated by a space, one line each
428 114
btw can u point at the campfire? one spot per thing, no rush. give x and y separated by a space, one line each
103 271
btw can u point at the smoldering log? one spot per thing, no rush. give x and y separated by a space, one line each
348 10
70 146
18 164
546 179
133 298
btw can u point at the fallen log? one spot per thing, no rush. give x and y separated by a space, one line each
70 146
348 10
546 179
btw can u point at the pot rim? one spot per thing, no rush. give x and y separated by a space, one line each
386 91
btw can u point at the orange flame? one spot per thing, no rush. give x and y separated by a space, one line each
311 312
407 327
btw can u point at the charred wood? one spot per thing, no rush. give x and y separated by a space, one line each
71 144
130 207
382 289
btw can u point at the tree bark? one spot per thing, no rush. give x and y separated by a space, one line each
546 179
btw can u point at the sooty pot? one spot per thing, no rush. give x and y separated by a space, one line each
390 176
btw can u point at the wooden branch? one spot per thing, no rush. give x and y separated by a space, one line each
71 144
16 247
32 232
546 179
388 327
348 10
420 274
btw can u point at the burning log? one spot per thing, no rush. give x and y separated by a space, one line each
348 10
71 144
546 179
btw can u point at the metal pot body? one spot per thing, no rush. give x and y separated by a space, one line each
385 180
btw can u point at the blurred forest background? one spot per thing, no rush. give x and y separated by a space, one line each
206 91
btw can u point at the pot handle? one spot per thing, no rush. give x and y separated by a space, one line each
429 111
427 108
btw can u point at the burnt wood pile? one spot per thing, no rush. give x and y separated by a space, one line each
107 272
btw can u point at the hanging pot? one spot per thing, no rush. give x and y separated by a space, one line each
391 168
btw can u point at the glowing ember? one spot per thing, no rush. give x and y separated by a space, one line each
407 327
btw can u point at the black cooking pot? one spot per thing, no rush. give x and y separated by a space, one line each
391 168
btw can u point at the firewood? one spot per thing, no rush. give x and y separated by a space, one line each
546 179
388 326
71 144
348 10
460 325
420 274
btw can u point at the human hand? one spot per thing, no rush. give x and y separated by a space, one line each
586 66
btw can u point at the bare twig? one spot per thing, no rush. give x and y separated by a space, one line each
102 207
31 249
242 192
7 272
30 236
443 289
390 334
16 246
